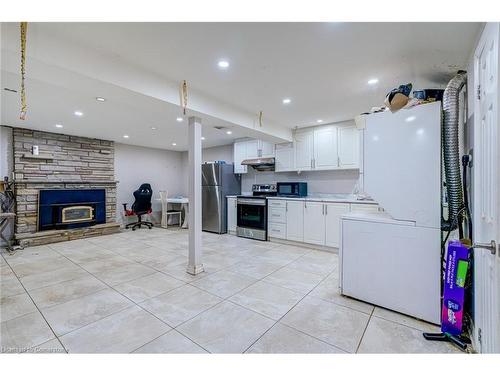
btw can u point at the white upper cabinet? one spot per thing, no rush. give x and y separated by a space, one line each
314 223
252 149
240 154
325 148
304 147
266 149
284 157
295 220
349 143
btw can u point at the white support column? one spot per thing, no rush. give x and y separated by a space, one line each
195 265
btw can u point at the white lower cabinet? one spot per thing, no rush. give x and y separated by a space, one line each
277 230
314 223
333 213
231 215
295 220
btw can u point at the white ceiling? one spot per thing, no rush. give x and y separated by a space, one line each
322 67
123 113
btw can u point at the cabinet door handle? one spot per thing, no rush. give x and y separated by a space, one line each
338 161
322 209
311 164
326 209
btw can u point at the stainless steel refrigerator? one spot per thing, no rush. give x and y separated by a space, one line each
217 181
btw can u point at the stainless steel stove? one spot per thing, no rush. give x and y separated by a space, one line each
252 212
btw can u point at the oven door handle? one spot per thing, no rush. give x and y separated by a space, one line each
252 202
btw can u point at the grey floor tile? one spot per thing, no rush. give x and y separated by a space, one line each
66 291
43 279
224 283
38 266
383 336
329 290
125 273
149 286
405 320
286 340
171 342
312 263
97 266
71 315
15 306
226 328
267 299
337 325
254 268
24 332
294 279
107 321
49 347
122 332
181 304
10 285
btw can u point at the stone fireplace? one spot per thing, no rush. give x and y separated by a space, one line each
64 192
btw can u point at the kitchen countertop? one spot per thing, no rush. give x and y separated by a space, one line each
341 198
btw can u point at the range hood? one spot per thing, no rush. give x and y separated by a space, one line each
260 164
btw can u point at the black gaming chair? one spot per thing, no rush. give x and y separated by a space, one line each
141 206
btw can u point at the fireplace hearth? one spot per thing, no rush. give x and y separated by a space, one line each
71 208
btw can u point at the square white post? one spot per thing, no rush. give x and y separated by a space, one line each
195 265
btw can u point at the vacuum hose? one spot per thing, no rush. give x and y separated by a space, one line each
451 152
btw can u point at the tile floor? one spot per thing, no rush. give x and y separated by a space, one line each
129 292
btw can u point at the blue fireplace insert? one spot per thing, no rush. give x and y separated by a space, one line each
71 208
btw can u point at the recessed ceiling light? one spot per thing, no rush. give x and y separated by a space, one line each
125 136
223 64
174 144
100 99
179 119
58 126
410 118
153 128
286 101
319 121
202 138
373 81
78 113
229 132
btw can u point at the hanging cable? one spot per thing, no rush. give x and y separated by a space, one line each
184 96
24 106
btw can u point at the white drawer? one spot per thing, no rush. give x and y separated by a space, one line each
277 230
276 203
277 214
364 207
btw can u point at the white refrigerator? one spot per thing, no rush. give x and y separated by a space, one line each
392 259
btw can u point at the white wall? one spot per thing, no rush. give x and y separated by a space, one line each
327 182
6 152
317 181
209 154
135 165
6 161
218 153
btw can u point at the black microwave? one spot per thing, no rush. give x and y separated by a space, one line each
292 189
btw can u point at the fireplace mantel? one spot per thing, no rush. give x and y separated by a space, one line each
57 182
